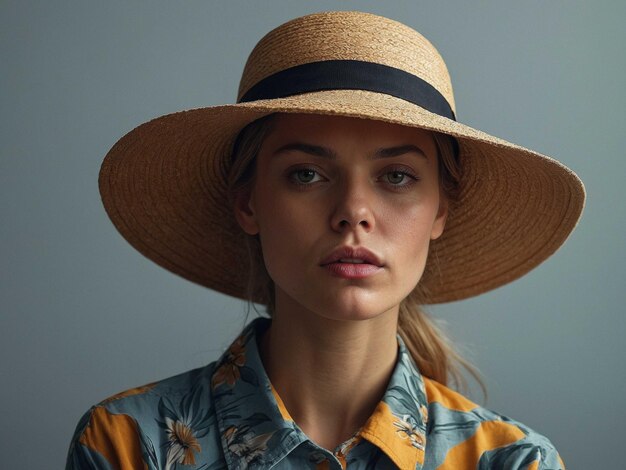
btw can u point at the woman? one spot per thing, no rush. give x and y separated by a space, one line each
341 193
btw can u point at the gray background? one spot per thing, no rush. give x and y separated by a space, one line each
84 316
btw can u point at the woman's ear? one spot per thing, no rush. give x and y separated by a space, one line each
440 220
245 212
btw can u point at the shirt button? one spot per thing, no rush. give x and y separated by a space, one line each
317 457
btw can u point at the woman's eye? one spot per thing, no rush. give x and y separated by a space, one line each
399 178
396 177
304 176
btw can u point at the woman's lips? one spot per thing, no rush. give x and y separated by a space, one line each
352 270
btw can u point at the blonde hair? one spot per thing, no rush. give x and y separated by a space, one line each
429 346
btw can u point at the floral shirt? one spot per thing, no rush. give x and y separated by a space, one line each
227 415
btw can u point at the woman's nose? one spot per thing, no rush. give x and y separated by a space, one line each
353 207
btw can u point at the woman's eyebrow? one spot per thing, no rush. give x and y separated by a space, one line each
316 150
397 151
325 152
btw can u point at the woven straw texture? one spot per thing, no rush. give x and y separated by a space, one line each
164 183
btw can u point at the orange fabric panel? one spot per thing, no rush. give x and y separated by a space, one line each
436 392
381 431
489 435
116 438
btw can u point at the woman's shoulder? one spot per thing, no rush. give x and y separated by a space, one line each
179 388
127 425
180 385
459 429
157 396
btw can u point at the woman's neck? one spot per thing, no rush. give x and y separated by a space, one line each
330 374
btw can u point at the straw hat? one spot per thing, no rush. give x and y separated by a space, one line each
164 183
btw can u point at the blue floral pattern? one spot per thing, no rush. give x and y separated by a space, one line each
228 416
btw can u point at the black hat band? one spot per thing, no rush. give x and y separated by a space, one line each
350 75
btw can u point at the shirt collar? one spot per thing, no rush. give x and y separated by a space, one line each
256 428
398 424
250 423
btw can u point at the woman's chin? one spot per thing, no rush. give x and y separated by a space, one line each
354 309
345 304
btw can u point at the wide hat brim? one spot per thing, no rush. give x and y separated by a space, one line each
164 187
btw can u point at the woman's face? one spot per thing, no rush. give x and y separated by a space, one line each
328 183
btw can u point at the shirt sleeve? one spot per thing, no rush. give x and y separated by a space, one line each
80 457
105 441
